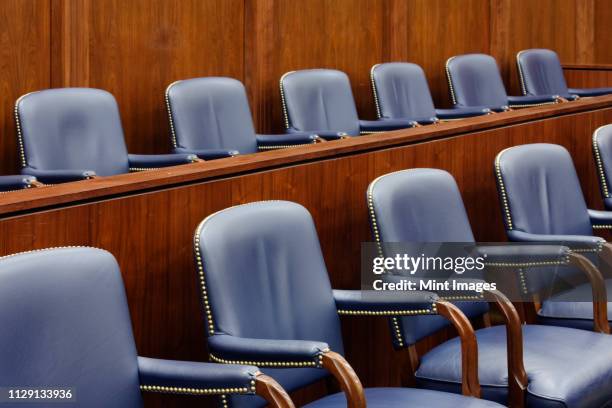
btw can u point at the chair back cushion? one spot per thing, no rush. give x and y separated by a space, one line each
401 91
211 113
72 129
540 73
540 191
474 80
65 323
420 206
265 278
319 100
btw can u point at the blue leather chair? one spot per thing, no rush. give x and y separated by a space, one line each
321 101
602 152
70 134
474 80
267 298
65 323
211 118
541 73
401 92
565 367
11 183
542 201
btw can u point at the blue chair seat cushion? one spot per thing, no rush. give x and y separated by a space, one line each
569 308
566 367
405 397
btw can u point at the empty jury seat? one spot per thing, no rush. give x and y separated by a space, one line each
542 201
474 80
541 73
565 367
602 152
401 92
65 323
210 117
268 299
72 134
321 101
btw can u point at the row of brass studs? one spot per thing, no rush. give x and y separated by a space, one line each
318 362
199 391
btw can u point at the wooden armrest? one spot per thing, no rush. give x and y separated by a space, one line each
267 388
598 285
346 377
517 376
469 347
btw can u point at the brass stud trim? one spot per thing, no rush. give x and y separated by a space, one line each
603 181
345 312
502 190
375 91
450 81
602 226
20 142
283 101
198 391
316 362
170 117
520 72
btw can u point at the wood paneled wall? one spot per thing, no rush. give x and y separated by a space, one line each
136 48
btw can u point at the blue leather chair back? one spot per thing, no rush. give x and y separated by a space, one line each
266 278
602 150
542 190
319 100
65 323
420 205
211 113
72 129
540 73
401 91
474 80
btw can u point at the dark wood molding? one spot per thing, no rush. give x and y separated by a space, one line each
588 67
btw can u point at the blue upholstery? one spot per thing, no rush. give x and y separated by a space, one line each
283 311
401 92
321 101
9 183
65 323
542 201
211 117
541 73
474 80
405 397
542 190
567 368
73 133
602 152
424 205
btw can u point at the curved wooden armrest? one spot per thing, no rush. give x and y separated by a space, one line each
517 376
346 377
469 347
267 388
598 285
